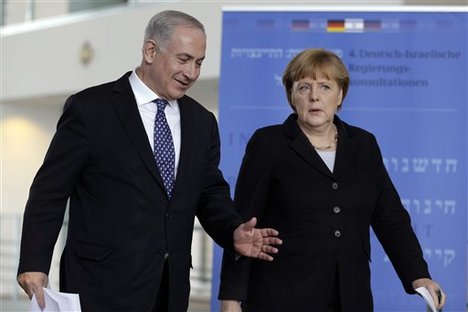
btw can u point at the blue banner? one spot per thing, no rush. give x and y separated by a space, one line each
409 86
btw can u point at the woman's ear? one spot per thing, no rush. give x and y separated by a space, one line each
340 99
293 106
291 97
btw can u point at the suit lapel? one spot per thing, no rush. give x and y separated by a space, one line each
301 145
346 148
126 107
187 122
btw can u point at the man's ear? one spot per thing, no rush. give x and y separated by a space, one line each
149 50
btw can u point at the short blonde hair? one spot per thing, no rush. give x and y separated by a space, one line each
315 63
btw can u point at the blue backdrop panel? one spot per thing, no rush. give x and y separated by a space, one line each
408 86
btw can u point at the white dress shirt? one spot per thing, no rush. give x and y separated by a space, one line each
144 97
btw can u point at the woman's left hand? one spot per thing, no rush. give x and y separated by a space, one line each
435 290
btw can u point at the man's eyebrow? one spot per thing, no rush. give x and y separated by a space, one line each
183 54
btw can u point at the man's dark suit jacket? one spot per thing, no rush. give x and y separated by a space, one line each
122 226
323 219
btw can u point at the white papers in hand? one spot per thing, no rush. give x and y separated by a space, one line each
56 302
424 292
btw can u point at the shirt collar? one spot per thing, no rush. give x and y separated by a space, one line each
143 94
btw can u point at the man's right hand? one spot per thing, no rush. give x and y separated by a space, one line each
230 306
32 283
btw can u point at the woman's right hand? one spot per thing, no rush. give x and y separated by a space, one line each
230 306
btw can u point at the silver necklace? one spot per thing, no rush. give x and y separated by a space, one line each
324 148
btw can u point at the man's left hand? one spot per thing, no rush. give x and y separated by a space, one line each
256 243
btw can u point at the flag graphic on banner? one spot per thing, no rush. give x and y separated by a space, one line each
354 25
372 25
336 26
390 25
300 24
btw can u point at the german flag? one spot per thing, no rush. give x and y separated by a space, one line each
335 26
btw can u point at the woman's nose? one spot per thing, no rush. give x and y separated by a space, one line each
313 95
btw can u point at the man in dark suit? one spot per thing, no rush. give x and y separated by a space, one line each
138 160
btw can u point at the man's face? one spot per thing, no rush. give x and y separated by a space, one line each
176 66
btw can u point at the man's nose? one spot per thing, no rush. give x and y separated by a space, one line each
192 71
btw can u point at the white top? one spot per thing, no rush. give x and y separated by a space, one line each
144 97
328 158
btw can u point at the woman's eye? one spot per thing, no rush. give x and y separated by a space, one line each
304 88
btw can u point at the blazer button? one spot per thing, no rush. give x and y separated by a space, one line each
336 210
334 185
337 234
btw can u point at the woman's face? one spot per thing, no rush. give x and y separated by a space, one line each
316 101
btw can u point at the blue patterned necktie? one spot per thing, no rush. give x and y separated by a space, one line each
164 147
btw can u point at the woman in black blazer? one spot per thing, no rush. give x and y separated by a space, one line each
321 183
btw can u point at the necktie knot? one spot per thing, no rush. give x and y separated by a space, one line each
161 104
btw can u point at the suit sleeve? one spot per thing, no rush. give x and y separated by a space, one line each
215 210
51 188
250 200
392 225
